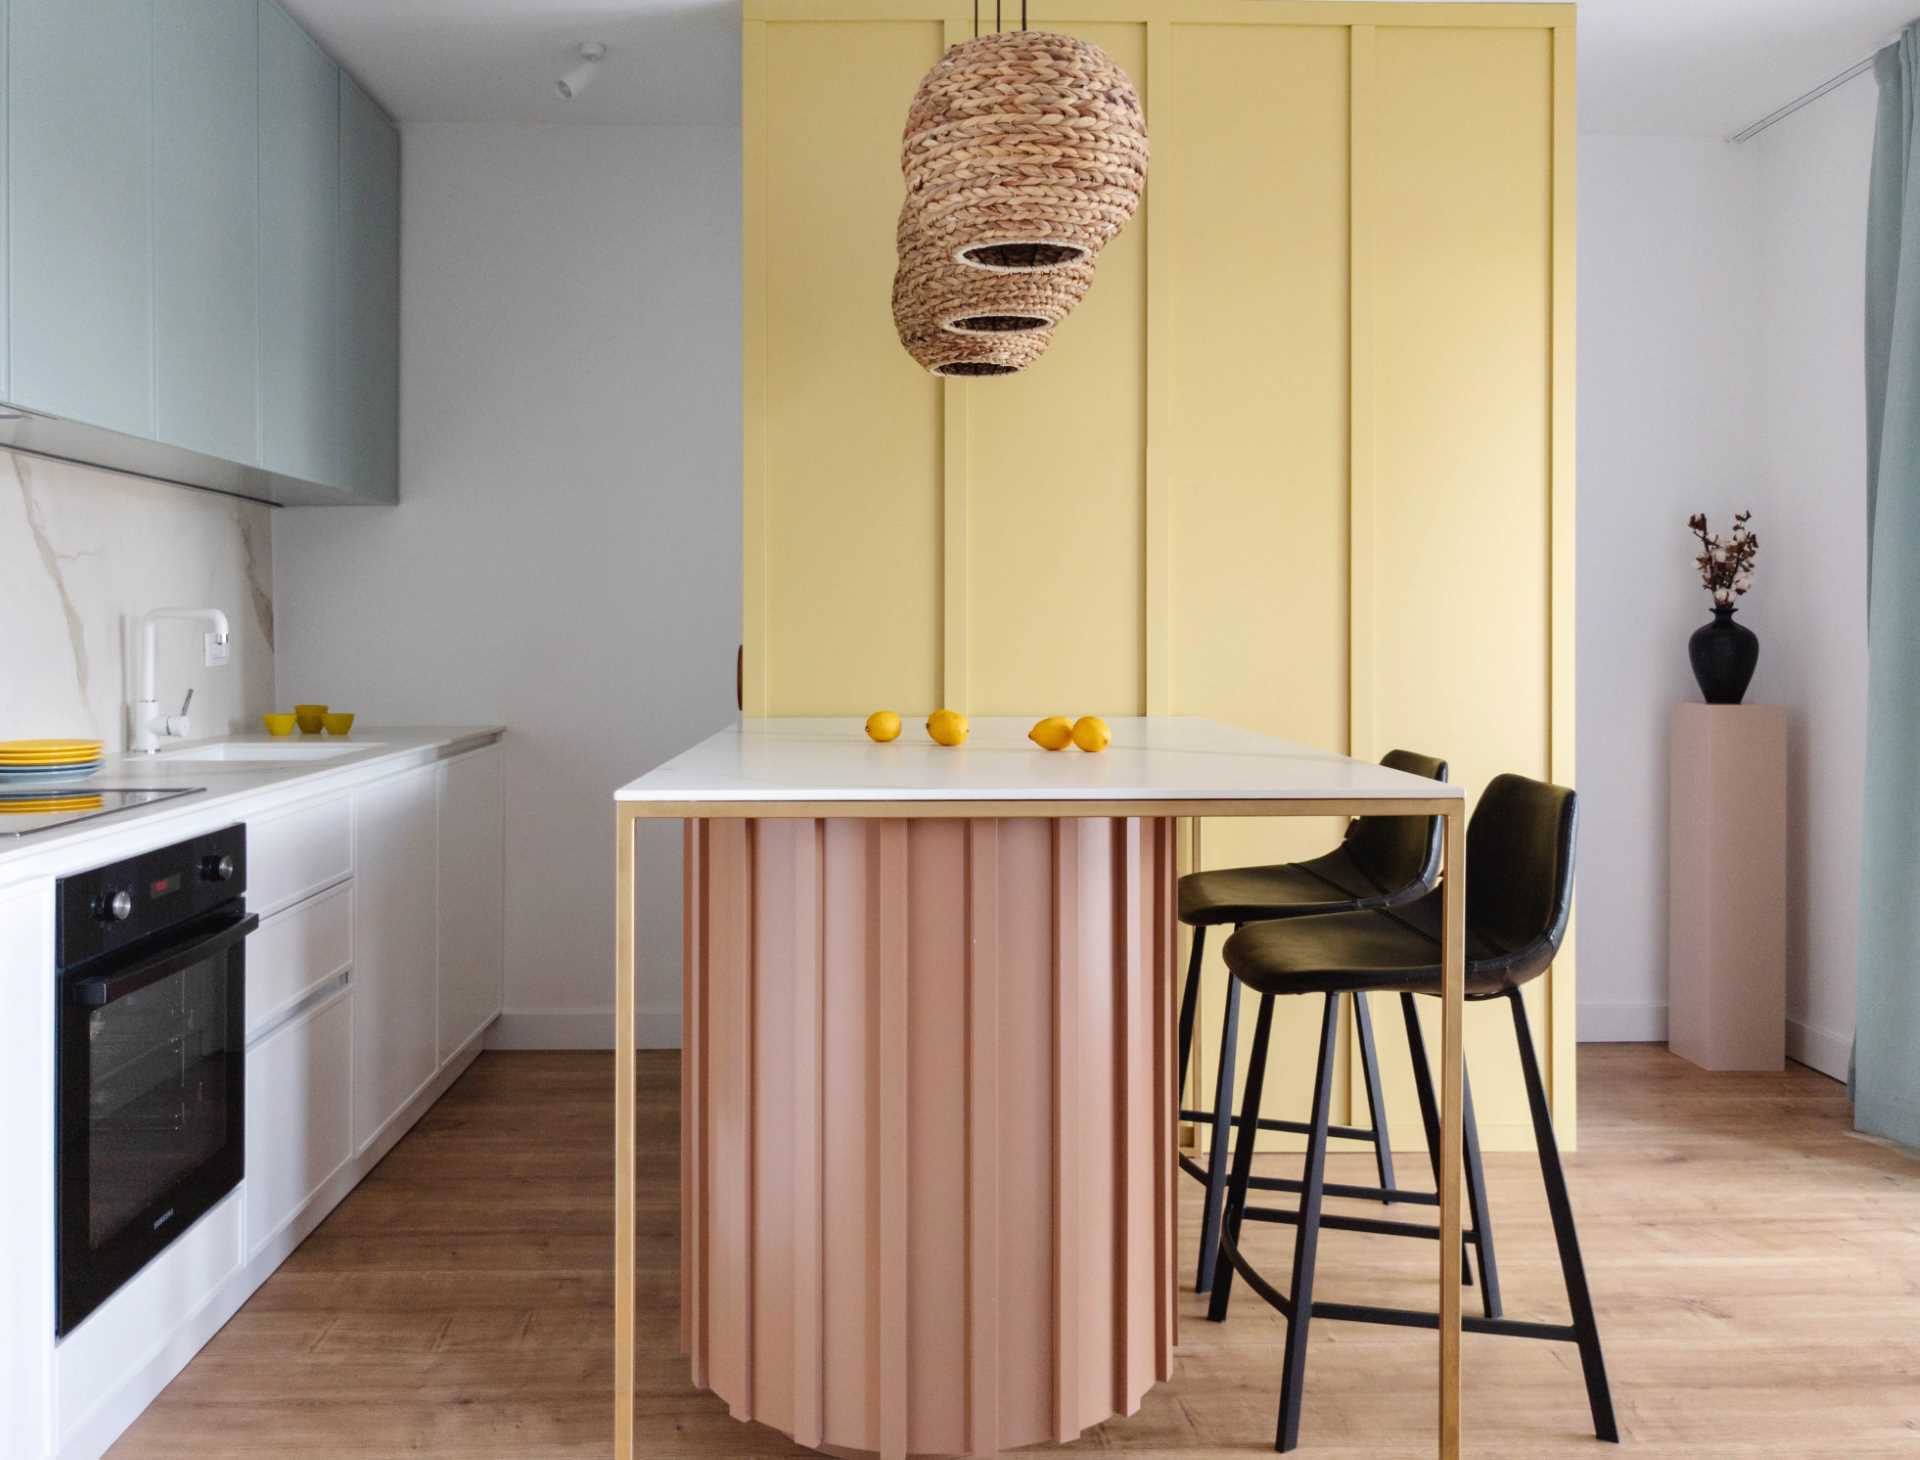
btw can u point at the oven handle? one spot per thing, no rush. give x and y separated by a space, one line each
104 989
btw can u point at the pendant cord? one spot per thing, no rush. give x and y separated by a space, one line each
976 19
996 17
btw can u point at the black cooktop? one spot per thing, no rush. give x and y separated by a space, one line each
24 811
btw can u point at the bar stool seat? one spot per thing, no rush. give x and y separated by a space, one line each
1382 861
1383 952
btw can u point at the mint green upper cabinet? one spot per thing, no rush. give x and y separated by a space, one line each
206 167
80 245
370 294
300 398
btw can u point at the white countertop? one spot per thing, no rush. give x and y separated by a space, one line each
230 785
1152 758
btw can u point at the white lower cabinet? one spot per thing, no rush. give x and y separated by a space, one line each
396 1021
472 896
299 1113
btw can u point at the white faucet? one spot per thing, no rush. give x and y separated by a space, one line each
148 723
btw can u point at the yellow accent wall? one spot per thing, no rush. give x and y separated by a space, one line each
1302 461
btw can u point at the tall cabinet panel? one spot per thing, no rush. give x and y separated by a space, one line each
205 217
300 431
1301 461
369 294
395 945
80 245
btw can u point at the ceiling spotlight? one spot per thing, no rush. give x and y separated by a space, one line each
578 79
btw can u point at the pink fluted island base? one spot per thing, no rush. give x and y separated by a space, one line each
927 1160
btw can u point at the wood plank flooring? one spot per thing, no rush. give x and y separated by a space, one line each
1755 1266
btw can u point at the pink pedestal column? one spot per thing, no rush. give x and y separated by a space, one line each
927 1164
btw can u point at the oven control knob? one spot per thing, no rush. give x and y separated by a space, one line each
119 907
217 869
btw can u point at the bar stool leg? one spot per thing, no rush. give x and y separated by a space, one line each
1430 1113
1293 1372
1592 1361
1217 1152
1376 1104
1189 1005
1243 1153
1478 1210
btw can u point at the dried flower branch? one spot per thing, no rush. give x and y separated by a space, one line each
1726 568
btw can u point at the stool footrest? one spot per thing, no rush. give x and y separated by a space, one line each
1379 1226
1289 1127
1355 1193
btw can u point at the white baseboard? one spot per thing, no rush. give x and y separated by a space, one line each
1620 1023
1819 1049
657 1027
171 1353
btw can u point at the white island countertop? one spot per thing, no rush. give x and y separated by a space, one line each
1180 760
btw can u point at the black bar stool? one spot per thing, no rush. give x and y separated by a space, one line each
1519 894
1383 861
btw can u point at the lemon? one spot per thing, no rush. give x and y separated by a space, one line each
1090 733
883 725
947 727
1053 733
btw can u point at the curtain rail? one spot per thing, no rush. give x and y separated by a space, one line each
1807 98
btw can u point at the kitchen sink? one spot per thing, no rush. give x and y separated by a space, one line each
263 751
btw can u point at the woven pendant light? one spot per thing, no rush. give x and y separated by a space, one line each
956 296
1024 150
959 353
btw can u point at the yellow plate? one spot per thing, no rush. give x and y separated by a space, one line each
41 747
52 763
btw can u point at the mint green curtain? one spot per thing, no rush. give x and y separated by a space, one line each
1887 1045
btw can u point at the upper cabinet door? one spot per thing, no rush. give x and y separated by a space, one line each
80 245
205 216
300 431
370 294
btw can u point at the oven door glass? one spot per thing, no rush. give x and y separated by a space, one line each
151 1122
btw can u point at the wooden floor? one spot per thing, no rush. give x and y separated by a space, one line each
1756 1269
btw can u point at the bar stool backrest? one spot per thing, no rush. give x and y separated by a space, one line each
1520 868
1401 853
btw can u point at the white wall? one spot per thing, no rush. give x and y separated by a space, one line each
1721 297
85 553
566 555
1813 231
1669 403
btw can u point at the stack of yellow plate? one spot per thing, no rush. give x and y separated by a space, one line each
42 804
27 761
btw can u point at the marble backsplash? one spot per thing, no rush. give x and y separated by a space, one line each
83 554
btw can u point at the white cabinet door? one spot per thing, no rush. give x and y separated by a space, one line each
395 1021
299 1123
472 889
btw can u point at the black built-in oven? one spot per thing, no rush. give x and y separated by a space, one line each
151 963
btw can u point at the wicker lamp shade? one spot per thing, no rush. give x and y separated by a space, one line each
961 353
955 296
1023 151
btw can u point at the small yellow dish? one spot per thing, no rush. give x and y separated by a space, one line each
278 724
308 717
338 722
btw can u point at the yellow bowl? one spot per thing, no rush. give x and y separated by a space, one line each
278 724
308 718
339 722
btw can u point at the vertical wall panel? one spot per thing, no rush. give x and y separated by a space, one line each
1258 614
1056 493
1463 592
852 443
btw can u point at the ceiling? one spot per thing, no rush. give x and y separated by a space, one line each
1709 67
497 60
1686 67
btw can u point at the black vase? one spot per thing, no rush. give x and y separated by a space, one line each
1723 654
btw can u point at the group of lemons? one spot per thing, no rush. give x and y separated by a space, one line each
949 727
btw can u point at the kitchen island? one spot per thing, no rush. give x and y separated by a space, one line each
927 1146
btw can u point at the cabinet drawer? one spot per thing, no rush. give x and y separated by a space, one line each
299 1120
296 951
295 853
